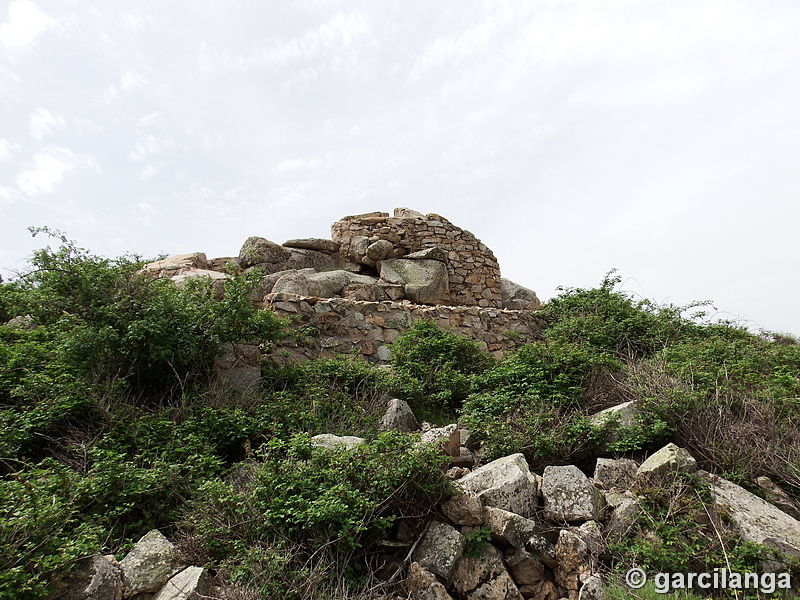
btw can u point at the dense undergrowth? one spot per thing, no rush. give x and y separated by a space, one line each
110 424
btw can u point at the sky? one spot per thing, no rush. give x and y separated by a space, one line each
659 138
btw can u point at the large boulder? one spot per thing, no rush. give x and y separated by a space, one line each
260 251
321 285
439 549
309 259
755 519
149 564
424 281
516 297
178 262
505 483
569 495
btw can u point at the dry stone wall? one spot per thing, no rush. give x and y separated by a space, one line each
341 325
472 269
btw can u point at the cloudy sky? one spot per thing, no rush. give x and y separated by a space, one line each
658 137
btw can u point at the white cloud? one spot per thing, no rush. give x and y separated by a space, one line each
43 123
155 118
49 168
7 149
130 80
328 39
25 22
147 172
314 162
6 195
149 145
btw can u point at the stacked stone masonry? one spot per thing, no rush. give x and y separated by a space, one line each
340 325
473 271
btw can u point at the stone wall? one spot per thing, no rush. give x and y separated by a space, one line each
473 271
341 325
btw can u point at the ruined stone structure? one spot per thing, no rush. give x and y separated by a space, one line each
472 270
360 290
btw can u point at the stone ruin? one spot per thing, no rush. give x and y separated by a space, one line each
375 276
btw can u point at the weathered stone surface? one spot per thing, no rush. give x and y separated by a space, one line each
399 416
21 322
670 459
484 577
593 589
424 281
508 528
623 415
239 365
423 585
93 578
574 560
177 262
756 519
433 253
622 520
615 473
505 483
378 250
407 213
517 297
149 564
186 585
318 244
463 509
525 568
438 435
569 495
321 285
260 251
336 442
309 259
440 549
777 497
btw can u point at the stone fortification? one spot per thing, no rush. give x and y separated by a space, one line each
341 325
473 274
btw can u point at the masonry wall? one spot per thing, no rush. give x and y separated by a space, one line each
342 325
473 271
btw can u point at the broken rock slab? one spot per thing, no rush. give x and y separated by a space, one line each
94 578
756 519
186 585
336 442
439 550
505 483
670 459
517 297
508 528
424 281
149 564
615 473
570 496
318 244
423 585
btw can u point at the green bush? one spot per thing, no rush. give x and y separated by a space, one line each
435 369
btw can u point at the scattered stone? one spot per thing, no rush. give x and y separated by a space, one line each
593 589
623 415
239 365
399 416
508 528
440 549
177 262
186 585
93 578
309 259
437 435
463 509
505 483
776 496
615 474
336 442
570 496
321 285
670 459
378 250
21 322
423 585
622 520
149 564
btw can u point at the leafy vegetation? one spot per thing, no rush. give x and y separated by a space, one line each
112 425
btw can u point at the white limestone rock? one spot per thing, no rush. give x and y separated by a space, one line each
505 483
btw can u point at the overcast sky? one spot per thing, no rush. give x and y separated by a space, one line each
660 138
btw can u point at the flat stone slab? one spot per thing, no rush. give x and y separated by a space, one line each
336 442
670 459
